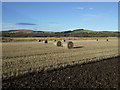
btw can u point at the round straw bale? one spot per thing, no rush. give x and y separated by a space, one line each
46 41
64 40
39 40
68 44
58 43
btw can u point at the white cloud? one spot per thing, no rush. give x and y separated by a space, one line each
49 27
90 8
88 17
79 8
91 15
82 8
12 26
6 26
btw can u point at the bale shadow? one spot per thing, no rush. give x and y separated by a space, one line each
77 47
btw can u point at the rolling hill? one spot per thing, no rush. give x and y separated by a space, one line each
70 33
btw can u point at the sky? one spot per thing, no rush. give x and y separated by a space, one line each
60 16
60 0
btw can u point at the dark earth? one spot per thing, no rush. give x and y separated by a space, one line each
102 74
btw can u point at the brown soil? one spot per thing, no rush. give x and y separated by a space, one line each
103 74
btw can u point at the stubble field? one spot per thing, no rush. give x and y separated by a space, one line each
103 74
25 57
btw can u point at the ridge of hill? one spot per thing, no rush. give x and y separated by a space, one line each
69 33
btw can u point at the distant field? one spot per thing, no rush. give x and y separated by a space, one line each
24 57
19 39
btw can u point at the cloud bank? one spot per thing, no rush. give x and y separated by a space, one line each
25 24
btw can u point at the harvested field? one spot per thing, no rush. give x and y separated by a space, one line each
20 58
103 74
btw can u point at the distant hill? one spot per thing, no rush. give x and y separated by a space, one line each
90 33
79 31
70 33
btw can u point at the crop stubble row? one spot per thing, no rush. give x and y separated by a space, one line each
34 56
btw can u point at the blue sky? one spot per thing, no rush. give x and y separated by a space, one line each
60 16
